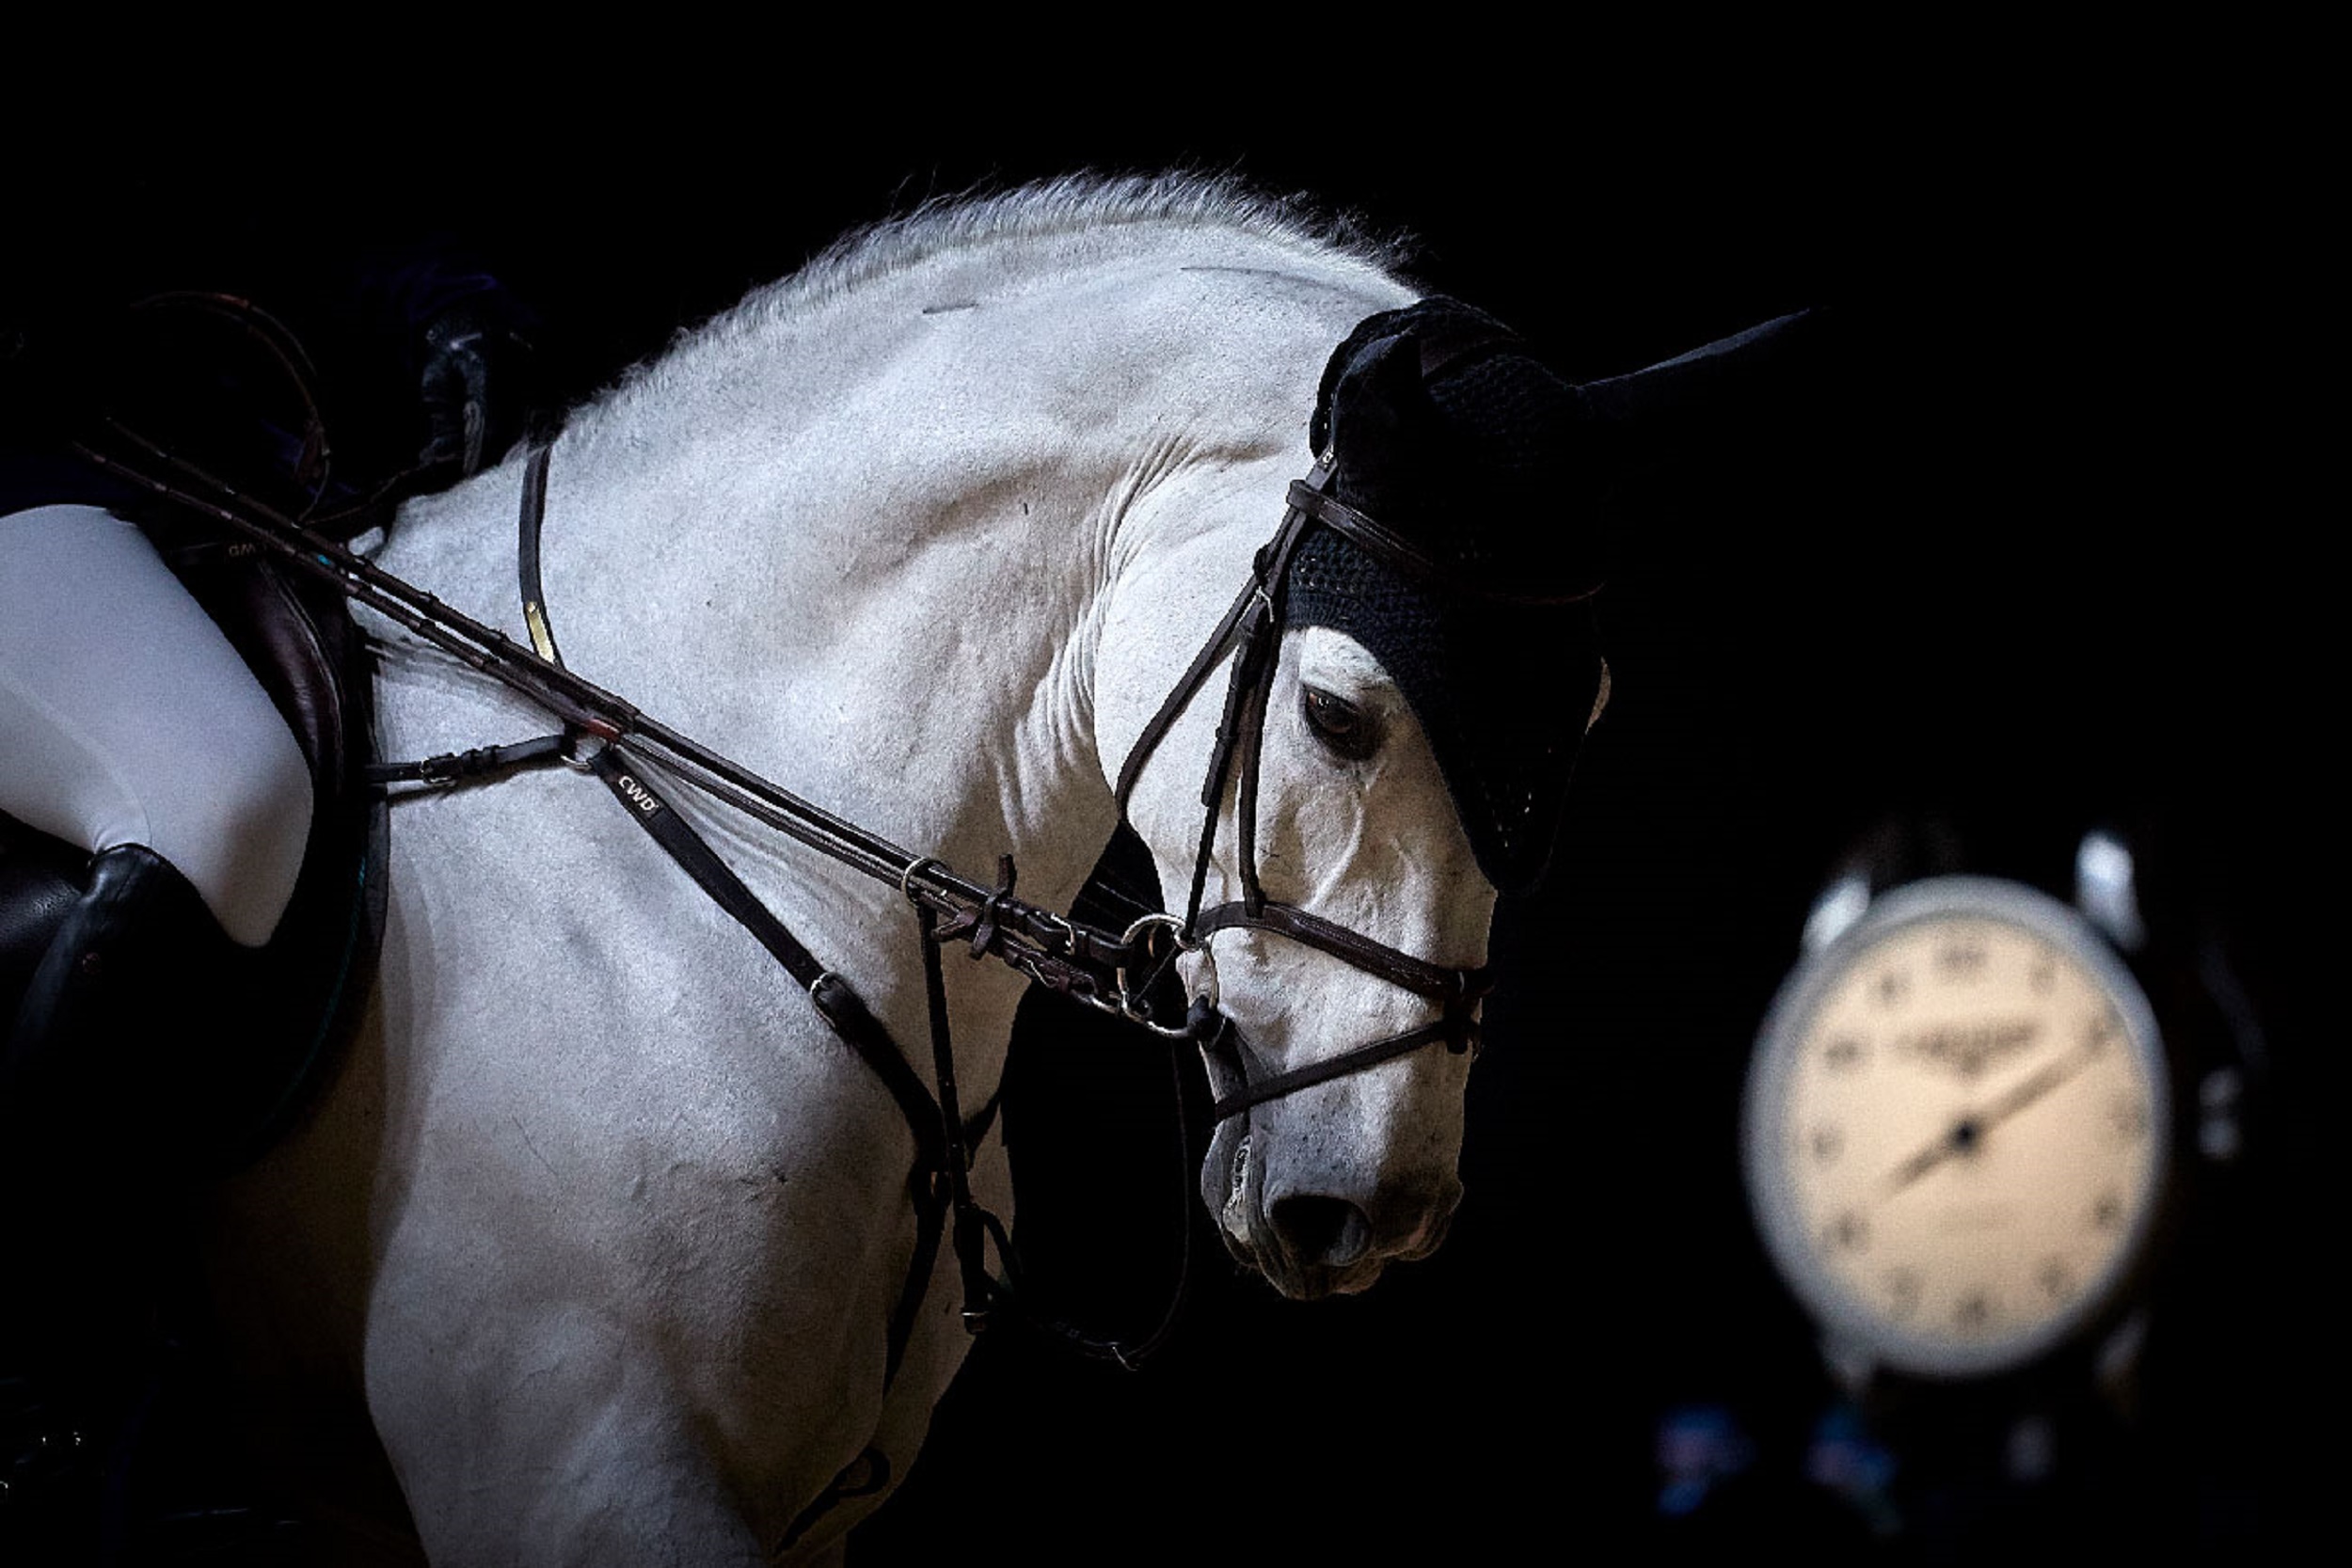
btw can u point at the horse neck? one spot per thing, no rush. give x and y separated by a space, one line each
872 548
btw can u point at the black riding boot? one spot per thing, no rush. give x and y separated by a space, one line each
103 1076
102 1107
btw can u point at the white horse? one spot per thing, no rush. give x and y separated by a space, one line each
599 1229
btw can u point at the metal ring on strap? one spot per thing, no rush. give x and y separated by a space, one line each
914 867
578 760
1160 917
1131 1006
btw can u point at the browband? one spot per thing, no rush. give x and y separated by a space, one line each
1392 548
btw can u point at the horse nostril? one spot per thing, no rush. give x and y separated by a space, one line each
1315 1229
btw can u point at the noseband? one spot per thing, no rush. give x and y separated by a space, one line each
1250 631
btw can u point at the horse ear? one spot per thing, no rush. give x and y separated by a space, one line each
1441 331
1715 433
1377 413
1375 348
1710 389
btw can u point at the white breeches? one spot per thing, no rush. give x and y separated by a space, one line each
126 718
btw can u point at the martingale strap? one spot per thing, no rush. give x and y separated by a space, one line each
611 737
1110 971
941 1139
942 1142
835 1001
940 1184
450 769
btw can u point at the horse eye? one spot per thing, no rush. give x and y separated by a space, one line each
1340 724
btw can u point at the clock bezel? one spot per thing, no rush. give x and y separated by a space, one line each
1856 1325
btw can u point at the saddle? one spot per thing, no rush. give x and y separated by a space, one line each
132 1032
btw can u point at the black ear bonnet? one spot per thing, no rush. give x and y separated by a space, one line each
1448 429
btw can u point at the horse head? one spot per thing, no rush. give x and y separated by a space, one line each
1411 674
1320 1187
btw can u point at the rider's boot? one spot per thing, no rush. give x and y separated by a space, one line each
99 1073
100 1105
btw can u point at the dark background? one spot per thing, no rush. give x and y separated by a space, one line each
2034 559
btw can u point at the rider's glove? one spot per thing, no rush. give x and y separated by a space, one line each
476 384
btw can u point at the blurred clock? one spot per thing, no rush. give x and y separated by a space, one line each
1957 1126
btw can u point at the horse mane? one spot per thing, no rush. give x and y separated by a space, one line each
1074 203
1068 204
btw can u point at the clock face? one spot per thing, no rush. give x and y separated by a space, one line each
1956 1128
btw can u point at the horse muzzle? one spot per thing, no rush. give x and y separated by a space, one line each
1317 1214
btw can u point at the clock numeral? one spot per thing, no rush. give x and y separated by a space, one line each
1850 1232
2107 1213
1902 1293
2056 1279
2100 1032
1974 1314
1828 1143
1844 1053
1891 987
1961 962
2042 975
2128 1118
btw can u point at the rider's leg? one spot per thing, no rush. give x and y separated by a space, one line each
127 718
129 728
131 731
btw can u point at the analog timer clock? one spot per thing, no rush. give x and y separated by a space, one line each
1956 1129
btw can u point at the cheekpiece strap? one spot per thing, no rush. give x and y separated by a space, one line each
1264 585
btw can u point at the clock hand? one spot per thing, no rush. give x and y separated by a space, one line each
1961 1138
1970 1128
2026 1091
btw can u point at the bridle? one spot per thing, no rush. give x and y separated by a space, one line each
1114 972
1250 632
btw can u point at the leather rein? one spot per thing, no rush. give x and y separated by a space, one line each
1113 972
